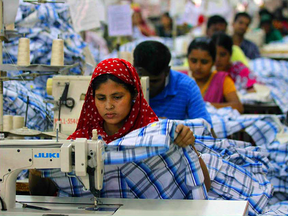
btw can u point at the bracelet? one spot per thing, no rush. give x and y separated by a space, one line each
199 155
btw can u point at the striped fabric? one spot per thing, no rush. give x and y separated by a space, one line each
237 170
274 74
268 133
144 164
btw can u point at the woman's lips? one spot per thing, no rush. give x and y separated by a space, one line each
110 115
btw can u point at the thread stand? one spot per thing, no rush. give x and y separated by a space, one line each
27 70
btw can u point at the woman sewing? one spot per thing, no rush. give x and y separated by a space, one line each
240 74
114 105
216 87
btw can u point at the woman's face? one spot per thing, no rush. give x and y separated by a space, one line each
136 18
165 21
222 59
113 102
200 63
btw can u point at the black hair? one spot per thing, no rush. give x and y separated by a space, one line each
215 19
166 14
223 40
242 14
153 56
264 11
105 77
203 43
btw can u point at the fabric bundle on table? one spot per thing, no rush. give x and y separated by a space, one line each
147 159
273 74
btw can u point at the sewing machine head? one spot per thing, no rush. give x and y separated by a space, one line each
84 157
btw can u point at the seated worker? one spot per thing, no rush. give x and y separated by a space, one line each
140 26
115 106
216 87
165 28
240 25
216 24
240 74
173 95
272 34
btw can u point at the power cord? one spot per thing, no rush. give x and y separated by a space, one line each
3 207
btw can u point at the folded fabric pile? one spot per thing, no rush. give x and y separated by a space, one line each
273 74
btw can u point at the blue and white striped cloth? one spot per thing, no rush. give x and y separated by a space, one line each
144 164
268 133
273 74
237 170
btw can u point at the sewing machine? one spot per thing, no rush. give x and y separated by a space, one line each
69 94
85 157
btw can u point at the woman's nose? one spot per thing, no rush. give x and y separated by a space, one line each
198 65
109 105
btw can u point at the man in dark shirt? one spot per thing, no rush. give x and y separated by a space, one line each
241 23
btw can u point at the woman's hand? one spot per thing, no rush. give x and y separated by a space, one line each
185 136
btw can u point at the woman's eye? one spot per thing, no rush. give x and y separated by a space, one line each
101 98
118 97
204 61
193 60
222 54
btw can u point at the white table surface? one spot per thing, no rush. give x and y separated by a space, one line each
139 207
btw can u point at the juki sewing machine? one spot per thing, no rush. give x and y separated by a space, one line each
85 157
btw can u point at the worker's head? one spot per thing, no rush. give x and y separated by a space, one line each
201 57
241 23
166 20
152 58
224 44
113 99
137 18
215 24
266 23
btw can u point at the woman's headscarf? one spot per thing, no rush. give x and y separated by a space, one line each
140 115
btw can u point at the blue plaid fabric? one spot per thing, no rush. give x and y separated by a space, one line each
237 169
273 74
280 208
144 164
265 131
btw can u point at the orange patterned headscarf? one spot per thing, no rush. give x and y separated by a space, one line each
140 115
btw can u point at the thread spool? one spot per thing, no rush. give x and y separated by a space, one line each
7 122
57 56
23 52
10 26
126 56
49 85
18 122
